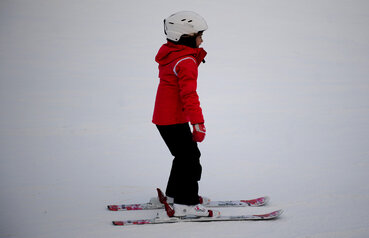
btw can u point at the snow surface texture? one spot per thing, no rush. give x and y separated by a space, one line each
285 94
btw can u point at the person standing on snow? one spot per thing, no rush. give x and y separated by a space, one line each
177 104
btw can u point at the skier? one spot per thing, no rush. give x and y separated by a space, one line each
177 104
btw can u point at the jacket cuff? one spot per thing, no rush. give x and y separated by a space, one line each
197 120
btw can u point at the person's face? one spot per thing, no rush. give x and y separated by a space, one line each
199 40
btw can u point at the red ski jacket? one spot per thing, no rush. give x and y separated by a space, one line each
176 99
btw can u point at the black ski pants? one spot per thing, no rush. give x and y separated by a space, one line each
186 168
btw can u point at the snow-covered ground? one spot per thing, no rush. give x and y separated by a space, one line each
285 93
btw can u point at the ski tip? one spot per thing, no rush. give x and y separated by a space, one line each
257 202
266 199
270 216
277 213
262 201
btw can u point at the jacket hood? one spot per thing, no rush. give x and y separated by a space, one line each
170 52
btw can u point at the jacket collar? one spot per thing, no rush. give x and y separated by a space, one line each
170 52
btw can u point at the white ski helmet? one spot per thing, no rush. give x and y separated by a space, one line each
183 23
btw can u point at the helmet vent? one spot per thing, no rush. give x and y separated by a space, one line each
186 20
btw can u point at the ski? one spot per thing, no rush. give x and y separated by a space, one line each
257 202
164 218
